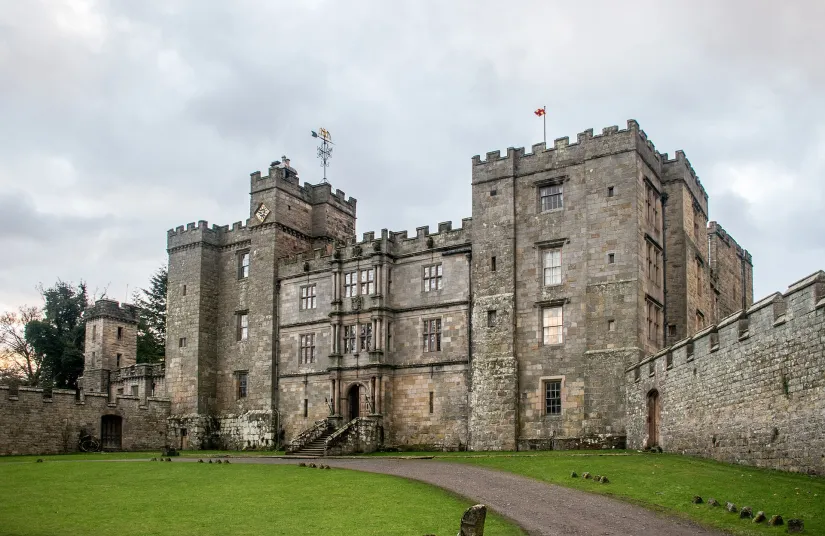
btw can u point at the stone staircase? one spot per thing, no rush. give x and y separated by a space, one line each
315 447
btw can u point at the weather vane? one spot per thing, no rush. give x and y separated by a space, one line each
324 151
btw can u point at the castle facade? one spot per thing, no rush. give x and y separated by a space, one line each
513 331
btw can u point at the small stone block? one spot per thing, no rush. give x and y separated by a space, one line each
795 526
730 507
226 461
200 461
168 459
697 499
302 464
746 512
574 475
39 460
604 480
210 461
759 517
586 475
312 465
713 502
776 520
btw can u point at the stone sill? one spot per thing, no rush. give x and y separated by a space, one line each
714 348
779 321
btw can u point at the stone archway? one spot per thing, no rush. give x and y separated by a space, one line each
654 418
355 401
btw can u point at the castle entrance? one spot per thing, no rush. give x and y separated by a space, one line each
354 401
653 418
111 432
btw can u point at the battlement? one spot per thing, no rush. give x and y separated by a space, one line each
802 298
715 229
25 396
394 243
680 168
612 140
112 309
217 235
139 370
285 178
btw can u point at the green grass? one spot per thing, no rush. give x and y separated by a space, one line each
145 498
668 482
138 455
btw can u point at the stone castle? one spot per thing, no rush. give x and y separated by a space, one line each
521 329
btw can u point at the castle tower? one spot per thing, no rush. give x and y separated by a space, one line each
222 325
111 342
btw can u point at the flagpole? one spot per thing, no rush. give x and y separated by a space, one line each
544 117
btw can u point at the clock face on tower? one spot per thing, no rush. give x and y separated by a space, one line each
262 213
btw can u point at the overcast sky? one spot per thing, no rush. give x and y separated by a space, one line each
122 119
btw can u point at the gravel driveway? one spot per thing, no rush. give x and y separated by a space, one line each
538 507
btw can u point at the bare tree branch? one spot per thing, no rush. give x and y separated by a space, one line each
16 355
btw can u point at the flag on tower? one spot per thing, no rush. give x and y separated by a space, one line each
541 111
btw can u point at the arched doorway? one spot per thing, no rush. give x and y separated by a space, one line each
111 432
354 398
653 418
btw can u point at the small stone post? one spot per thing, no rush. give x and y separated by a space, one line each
472 522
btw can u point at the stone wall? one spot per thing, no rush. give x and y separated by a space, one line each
749 390
31 423
362 435
731 271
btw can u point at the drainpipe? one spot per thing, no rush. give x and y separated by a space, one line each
664 271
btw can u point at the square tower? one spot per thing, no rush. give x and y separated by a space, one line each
111 342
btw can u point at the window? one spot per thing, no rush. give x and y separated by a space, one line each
609 191
671 330
700 320
654 313
611 325
493 263
698 277
432 278
654 262
552 397
552 321
117 360
94 331
182 342
183 292
135 390
493 193
350 284
611 258
119 333
349 339
306 407
651 205
308 297
307 348
366 337
432 335
242 380
120 390
431 402
243 326
491 319
368 282
551 197
552 267
243 265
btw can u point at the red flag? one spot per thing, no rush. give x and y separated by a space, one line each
540 112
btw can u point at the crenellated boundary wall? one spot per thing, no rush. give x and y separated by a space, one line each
749 390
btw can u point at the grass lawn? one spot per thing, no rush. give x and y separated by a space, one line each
146 455
668 482
146 498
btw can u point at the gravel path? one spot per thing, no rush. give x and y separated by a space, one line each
538 507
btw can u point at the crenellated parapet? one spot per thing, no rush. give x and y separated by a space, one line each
390 243
202 234
680 169
715 229
588 145
283 177
114 310
802 298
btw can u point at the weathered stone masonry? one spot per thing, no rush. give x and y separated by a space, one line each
749 390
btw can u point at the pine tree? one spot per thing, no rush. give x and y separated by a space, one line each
151 335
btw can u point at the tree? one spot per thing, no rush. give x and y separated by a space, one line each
60 335
151 332
19 359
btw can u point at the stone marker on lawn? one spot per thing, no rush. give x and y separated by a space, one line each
795 526
472 522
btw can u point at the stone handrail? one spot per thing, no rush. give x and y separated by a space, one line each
307 436
358 435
